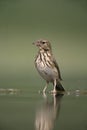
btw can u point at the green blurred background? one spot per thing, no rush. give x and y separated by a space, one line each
62 22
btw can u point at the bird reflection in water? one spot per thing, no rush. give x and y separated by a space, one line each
48 112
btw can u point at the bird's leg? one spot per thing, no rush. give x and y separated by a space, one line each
44 90
54 87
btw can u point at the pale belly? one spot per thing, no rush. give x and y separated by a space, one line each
49 74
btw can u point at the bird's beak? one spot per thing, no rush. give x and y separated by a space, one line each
36 43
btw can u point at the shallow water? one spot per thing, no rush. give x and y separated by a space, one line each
24 110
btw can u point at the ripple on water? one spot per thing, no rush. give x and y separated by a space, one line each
11 91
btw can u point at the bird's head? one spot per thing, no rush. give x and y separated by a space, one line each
43 45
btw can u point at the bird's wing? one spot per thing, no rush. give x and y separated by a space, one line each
56 65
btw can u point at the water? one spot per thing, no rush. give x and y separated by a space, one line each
24 110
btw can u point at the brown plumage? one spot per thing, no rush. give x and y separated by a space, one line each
47 66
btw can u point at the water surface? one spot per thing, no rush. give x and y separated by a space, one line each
24 110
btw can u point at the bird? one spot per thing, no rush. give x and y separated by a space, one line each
47 66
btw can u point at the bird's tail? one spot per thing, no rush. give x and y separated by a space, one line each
59 87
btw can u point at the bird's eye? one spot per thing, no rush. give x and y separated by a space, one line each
43 42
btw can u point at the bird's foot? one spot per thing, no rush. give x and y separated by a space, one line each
57 92
53 91
44 95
